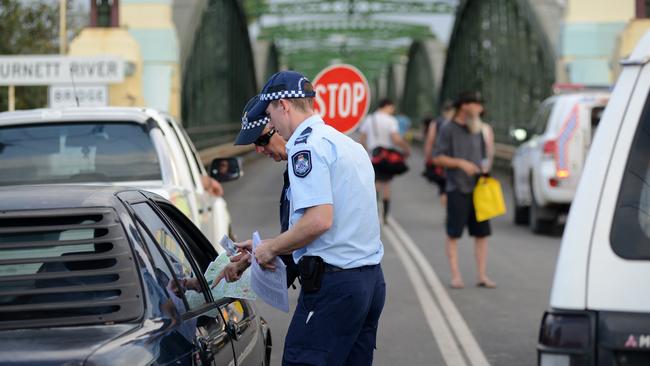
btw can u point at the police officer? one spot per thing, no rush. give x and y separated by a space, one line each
254 130
333 232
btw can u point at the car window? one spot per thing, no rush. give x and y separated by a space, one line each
542 119
77 153
187 284
195 154
630 234
200 247
66 266
157 279
183 151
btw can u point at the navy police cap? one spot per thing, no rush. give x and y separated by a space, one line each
282 85
252 124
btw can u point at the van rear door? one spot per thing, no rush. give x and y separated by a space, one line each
619 264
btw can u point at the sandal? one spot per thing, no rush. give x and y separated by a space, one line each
487 284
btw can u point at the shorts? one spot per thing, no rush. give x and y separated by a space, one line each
442 186
381 176
460 212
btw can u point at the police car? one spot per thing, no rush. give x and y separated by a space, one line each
135 147
600 301
546 168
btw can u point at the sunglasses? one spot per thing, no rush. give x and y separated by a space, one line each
264 139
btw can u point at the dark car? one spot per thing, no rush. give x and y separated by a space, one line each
94 275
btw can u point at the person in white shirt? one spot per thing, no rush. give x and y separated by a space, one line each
381 129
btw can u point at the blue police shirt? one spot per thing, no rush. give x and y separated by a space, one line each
328 167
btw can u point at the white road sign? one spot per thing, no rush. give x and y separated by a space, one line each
88 95
47 70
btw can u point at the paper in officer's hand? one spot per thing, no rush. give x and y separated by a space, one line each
229 245
270 286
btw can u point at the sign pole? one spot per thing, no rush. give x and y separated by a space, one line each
63 40
12 98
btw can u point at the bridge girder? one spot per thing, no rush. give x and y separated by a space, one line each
499 48
352 7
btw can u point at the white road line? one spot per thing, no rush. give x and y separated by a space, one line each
441 332
460 328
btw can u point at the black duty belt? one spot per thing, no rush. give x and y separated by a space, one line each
331 268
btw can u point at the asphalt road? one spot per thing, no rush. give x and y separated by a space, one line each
424 322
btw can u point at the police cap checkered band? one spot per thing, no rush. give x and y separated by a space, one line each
247 125
252 122
287 94
284 85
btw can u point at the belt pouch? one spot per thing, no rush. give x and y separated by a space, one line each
311 273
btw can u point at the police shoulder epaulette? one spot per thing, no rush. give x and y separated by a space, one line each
302 139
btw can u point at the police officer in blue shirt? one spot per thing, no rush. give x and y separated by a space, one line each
333 232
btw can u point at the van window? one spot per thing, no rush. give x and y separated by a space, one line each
77 153
540 123
596 115
630 235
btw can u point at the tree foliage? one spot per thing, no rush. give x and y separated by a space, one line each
28 28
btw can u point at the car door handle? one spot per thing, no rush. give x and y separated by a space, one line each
234 330
204 346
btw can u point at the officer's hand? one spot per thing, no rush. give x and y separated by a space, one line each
241 255
265 255
469 168
245 246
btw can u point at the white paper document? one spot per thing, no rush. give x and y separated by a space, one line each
228 245
270 286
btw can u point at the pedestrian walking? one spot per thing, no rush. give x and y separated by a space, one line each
381 129
333 232
461 149
433 172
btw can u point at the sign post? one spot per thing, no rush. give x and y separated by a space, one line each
12 98
342 96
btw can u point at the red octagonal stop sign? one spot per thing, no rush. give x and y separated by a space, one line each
342 96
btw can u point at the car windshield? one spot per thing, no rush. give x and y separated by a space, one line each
77 153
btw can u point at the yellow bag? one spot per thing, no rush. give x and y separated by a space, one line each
488 199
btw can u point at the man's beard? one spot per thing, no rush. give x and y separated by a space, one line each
474 124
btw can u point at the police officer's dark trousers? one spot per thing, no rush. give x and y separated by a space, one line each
337 325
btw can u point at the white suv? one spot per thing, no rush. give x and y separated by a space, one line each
600 300
546 169
119 146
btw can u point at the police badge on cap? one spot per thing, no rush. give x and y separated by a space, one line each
301 163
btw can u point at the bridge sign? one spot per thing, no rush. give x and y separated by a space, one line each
54 69
342 96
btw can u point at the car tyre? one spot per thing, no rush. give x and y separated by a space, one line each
535 222
521 213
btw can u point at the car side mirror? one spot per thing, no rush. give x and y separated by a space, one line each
226 169
519 135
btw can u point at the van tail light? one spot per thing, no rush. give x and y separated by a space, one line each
566 339
551 149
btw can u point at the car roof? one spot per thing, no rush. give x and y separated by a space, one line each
44 197
77 114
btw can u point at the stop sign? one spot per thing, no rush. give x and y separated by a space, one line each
342 96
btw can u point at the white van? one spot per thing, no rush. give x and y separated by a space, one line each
600 301
546 169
